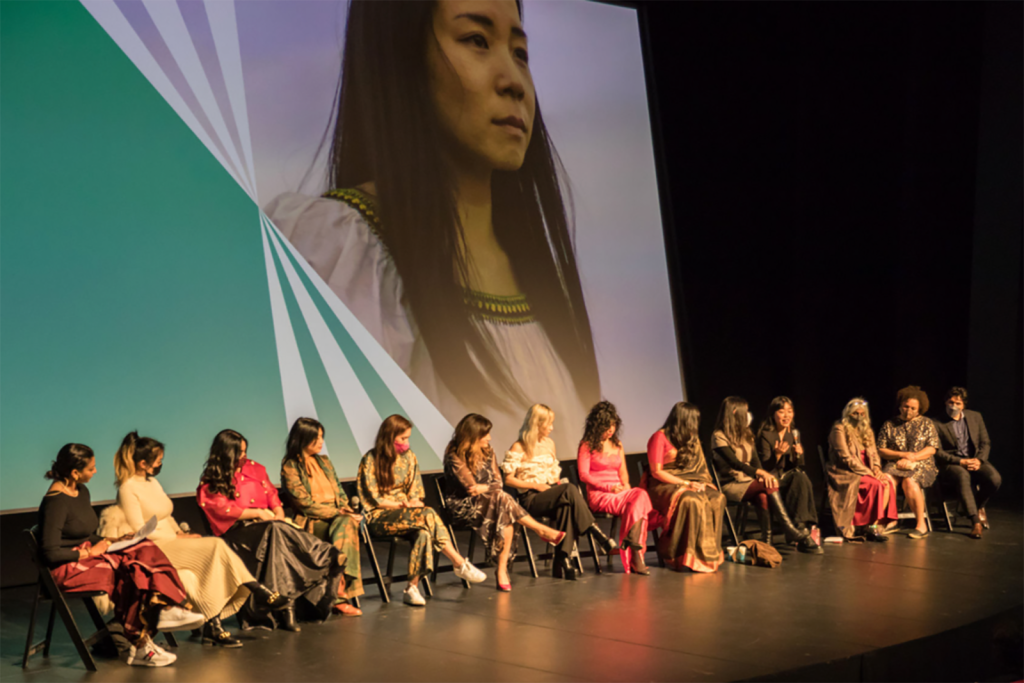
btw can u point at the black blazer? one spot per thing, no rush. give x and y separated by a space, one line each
766 451
947 453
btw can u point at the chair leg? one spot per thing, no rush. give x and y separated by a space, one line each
661 560
375 566
732 527
579 560
102 634
426 586
355 602
593 550
472 545
31 629
391 559
949 518
72 628
529 551
455 546
49 629
171 640
613 532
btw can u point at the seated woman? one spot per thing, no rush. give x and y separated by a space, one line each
908 443
742 476
217 582
682 492
476 499
139 579
782 455
243 508
391 490
602 465
860 494
313 491
532 468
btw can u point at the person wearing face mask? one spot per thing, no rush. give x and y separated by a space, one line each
964 447
602 466
216 579
908 444
313 491
531 467
476 499
782 454
744 478
391 491
860 494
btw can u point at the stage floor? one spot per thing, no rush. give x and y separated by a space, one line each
740 623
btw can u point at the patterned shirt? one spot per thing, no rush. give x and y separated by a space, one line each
908 437
408 482
542 468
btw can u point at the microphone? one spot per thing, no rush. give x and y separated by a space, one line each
355 503
185 528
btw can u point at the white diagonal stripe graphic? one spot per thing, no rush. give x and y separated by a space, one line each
363 418
224 26
107 14
420 410
298 399
168 20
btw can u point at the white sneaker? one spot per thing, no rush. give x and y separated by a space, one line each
412 597
470 573
178 619
147 654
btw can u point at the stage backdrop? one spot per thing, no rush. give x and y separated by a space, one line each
146 283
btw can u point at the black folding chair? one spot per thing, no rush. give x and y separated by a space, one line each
742 507
643 470
825 508
574 477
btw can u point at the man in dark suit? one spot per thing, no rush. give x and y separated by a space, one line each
963 457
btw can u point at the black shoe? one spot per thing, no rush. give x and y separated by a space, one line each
286 621
265 600
214 634
563 568
637 565
875 534
600 540
807 545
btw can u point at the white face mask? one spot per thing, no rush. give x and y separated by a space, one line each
750 419
953 411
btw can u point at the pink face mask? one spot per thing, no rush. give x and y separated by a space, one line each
401 447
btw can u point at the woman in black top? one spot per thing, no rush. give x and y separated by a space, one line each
780 452
144 587
743 477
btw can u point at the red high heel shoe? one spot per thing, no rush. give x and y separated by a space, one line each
503 587
557 539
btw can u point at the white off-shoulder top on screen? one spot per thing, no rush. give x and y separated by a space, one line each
339 239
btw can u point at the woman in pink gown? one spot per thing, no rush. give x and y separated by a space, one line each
602 465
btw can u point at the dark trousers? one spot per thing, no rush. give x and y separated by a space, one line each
565 506
986 478
798 496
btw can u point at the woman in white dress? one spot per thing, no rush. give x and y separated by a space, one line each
215 578
446 231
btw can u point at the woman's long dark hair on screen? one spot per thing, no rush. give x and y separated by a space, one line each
219 471
387 132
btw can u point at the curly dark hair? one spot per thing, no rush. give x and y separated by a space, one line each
601 417
959 392
914 392
219 471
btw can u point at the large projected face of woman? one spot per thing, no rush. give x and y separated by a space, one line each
481 83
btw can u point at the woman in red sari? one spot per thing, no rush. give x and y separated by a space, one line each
144 587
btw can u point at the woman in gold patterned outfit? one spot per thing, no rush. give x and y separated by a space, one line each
908 443
477 499
391 490
681 490
321 507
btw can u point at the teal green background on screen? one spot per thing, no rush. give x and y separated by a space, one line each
134 292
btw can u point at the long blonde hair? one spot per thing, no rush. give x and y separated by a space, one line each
538 416
862 428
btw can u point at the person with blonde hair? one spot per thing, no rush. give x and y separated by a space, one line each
531 467
476 499
215 578
908 443
859 492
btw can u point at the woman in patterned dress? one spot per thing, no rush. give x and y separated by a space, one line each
391 490
476 497
908 443
321 507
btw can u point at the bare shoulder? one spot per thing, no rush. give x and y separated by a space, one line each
517 447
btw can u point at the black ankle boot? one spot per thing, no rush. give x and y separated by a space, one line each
265 600
214 634
793 534
562 567
600 540
286 620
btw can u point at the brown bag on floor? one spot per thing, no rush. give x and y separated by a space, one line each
761 554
